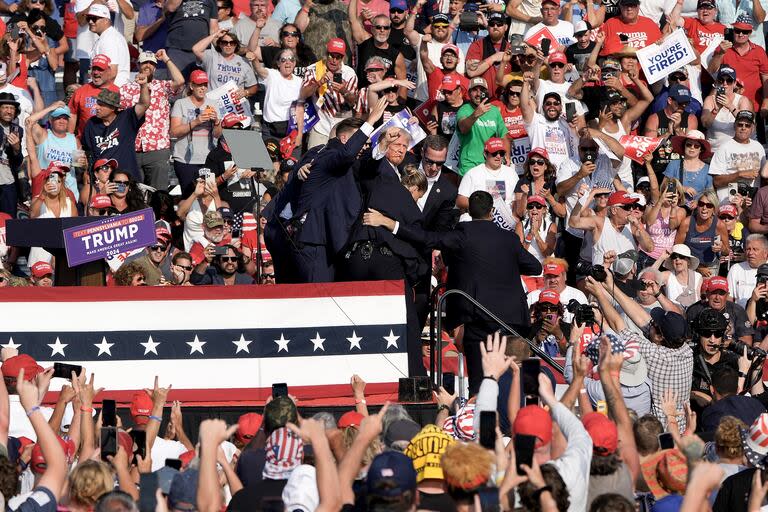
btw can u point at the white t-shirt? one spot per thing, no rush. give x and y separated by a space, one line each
733 157
654 9
600 178
281 92
554 136
563 31
165 449
112 43
85 38
742 280
566 296
547 86
500 184
19 422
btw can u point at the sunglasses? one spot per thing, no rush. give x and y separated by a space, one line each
373 70
158 248
549 307
228 258
433 163
637 207
93 19
702 204
552 103
188 268
228 42
283 60
290 34
743 125
382 27
514 93
726 80
496 23
694 145
388 90
271 275
648 284
440 25
335 56
37 2
497 153
726 217
536 161
708 333
626 207
557 65
534 206
677 78
121 182
741 31
675 256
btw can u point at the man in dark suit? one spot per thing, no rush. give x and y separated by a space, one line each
438 206
324 201
486 262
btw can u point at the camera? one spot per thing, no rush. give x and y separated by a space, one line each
720 90
583 314
469 20
745 190
597 272
738 347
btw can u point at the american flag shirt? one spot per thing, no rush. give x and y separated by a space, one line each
330 112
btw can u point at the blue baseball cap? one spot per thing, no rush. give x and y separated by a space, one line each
672 325
61 111
394 468
726 70
398 4
680 93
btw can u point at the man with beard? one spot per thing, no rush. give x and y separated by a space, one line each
153 144
477 121
83 102
10 152
224 272
485 55
715 290
548 130
449 60
377 44
213 236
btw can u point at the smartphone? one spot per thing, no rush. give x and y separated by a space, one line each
671 187
15 32
551 317
237 233
203 172
531 369
108 442
570 111
54 178
720 90
545 44
488 429
602 407
279 389
64 370
337 78
173 463
590 156
121 188
108 413
220 250
666 441
623 38
532 400
449 382
140 438
729 35
148 483
524 446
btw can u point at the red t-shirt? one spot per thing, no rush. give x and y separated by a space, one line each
702 35
475 52
70 20
21 79
748 68
513 119
435 80
641 33
83 104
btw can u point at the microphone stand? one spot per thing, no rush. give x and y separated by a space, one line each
257 214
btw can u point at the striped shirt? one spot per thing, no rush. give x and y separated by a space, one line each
332 101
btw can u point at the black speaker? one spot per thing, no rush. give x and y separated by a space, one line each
414 389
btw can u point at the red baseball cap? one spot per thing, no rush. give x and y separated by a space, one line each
232 119
141 407
198 76
621 197
162 233
729 209
604 434
557 57
101 61
539 151
247 426
717 283
553 269
350 419
533 420
549 296
13 365
450 83
57 166
336 45
101 162
41 269
494 144
537 199
37 461
101 201
449 48
187 457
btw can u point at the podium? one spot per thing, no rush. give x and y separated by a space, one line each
49 234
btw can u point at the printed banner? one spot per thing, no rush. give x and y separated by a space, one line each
659 60
225 102
116 261
110 236
709 52
310 117
404 120
518 152
535 38
635 147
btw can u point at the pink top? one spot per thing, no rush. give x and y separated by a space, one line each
663 237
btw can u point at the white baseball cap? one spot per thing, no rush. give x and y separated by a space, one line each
100 10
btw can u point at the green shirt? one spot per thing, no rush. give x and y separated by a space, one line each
490 124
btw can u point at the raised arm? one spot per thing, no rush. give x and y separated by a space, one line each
212 434
199 47
328 488
159 396
144 96
359 34
409 31
370 428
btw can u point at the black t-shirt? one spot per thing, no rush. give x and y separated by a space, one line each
700 378
239 194
397 38
436 502
738 323
446 119
734 492
579 56
255 497
368 49
189 23
116 140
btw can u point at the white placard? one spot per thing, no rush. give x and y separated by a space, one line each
659 60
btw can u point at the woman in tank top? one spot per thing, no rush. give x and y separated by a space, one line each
690 169
682 283
704 235
537 232
662 220
718 114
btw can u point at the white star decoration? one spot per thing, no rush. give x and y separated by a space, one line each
391 339
57 347
196 346
354 341
242 344
150 346
11 344
282 343
104 347
317 341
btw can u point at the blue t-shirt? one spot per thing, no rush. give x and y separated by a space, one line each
699 180
118 140
149 13
41 500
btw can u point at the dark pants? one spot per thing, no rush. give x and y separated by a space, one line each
153 165
274 129
185 60
281 250
187 175
382 267
571 247
475 333
312 265
8 199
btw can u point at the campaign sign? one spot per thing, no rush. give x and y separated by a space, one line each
225 101
424 111
404 120
635 147
544 32
310 117
659 60
110 236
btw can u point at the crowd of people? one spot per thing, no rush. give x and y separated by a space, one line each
515 151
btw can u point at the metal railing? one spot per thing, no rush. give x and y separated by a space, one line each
436 329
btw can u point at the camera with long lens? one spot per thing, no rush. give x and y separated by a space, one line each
583 314
745 190
753 353
597 272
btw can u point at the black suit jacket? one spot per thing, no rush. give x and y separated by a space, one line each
440 212
486 262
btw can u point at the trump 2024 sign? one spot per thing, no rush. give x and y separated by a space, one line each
110 236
